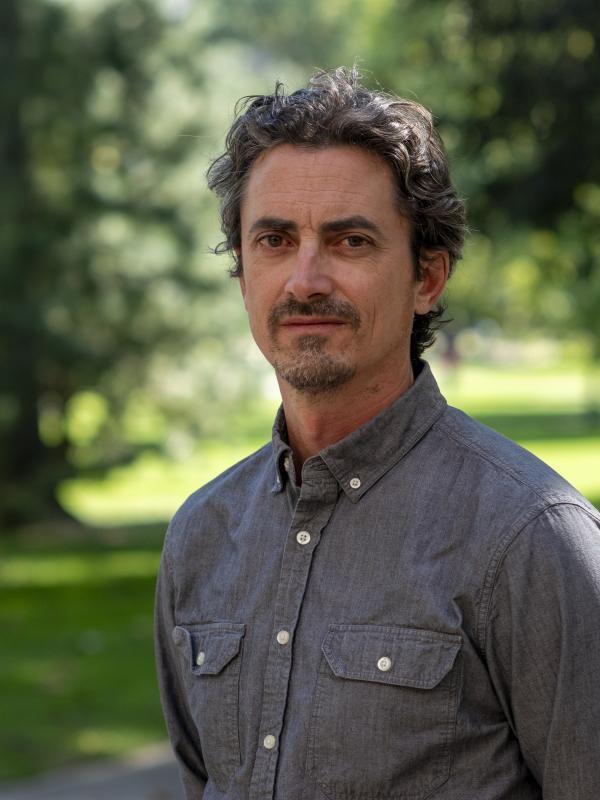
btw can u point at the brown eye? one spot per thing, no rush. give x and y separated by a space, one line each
355 241
272 240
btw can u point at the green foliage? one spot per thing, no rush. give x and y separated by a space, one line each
514 86
103 295
117 333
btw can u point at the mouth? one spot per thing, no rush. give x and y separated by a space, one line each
312 324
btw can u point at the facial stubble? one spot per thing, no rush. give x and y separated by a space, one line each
306 365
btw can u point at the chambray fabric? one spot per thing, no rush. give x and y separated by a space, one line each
443 620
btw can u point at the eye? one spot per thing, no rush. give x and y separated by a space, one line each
355 240
271 240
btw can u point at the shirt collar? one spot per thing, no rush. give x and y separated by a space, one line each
366 454
282 452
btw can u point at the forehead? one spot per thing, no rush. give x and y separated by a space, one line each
328 181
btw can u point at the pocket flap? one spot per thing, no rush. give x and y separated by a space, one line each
387 654
211 646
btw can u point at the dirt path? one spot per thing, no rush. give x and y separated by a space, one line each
149 774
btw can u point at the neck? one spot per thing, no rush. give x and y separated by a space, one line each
317 421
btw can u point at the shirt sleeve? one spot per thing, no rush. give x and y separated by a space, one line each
180 726
543 648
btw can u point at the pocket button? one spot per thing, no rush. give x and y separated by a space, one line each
384 664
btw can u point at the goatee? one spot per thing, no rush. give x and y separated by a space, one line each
307 367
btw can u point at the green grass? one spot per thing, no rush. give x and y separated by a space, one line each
77 670
546 410
152 487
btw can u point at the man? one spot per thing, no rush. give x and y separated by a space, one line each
390 601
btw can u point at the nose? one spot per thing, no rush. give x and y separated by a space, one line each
309 276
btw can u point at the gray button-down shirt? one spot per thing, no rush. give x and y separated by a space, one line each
420 619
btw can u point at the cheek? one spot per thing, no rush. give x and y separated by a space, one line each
392 307
260 300
258 306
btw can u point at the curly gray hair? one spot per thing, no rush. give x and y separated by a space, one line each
336 109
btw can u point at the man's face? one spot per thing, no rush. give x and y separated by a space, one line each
328 273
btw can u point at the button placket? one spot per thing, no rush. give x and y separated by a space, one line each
313 509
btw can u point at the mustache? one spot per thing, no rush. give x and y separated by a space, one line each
321 307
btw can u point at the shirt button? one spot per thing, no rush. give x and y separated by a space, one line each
303 537
200 658
283 637
384 664
269 742
355 483
286 464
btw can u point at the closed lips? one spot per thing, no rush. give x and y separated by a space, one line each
312 321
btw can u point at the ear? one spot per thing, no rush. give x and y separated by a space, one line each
435 268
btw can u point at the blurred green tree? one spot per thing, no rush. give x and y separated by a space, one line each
515 88
102 299
96 240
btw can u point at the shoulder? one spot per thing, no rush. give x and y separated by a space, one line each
543 536
505 469
546 578
219 497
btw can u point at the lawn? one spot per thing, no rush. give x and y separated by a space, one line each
77 672
545 409
77 666
548 411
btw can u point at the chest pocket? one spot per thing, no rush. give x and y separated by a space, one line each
212 655
384 712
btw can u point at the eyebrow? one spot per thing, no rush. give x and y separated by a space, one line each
333 226
273 224
346 223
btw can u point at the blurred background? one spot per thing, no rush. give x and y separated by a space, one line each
128 377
